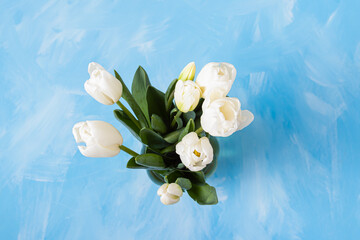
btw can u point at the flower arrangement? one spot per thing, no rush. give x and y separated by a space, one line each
177 128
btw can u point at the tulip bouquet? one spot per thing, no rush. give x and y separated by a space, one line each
177 128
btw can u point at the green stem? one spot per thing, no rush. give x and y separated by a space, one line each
178 114
129 114
129 151
199 130
171 98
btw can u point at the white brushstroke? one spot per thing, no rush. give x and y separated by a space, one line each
318 105
257 34
36 212
146 36
330 19
58 38
288 15
256 82
39 135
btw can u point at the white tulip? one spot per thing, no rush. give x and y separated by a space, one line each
187 95
188 73
101 138
216 76
195 153
222 117
170 193
102 86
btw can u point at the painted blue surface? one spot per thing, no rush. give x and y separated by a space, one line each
294 173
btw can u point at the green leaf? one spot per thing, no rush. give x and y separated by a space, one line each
150 160
168 149
184 183
149 150
173 112
198 111
132 103
190 127
170 89
199 106
172 176
132 164
179 123
152 139
197 123
173 136
138 88
195 177
180 165
169 95
161 173
124 119
203 194
189 115
158 124
156 103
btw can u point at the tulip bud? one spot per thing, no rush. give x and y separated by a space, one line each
222 117
101 138
188 73
187 95
170 193
102 86
195 153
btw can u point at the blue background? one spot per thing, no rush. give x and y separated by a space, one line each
292 174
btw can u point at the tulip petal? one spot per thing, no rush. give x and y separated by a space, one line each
246 117
98 151
221 117
95 92
190 139
76 131
169 193
187 95
231 69
162 189
167 200
207 150
101 138
235 102
105 133
111 87
216 76
102 86
94 66
175 189
188 72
